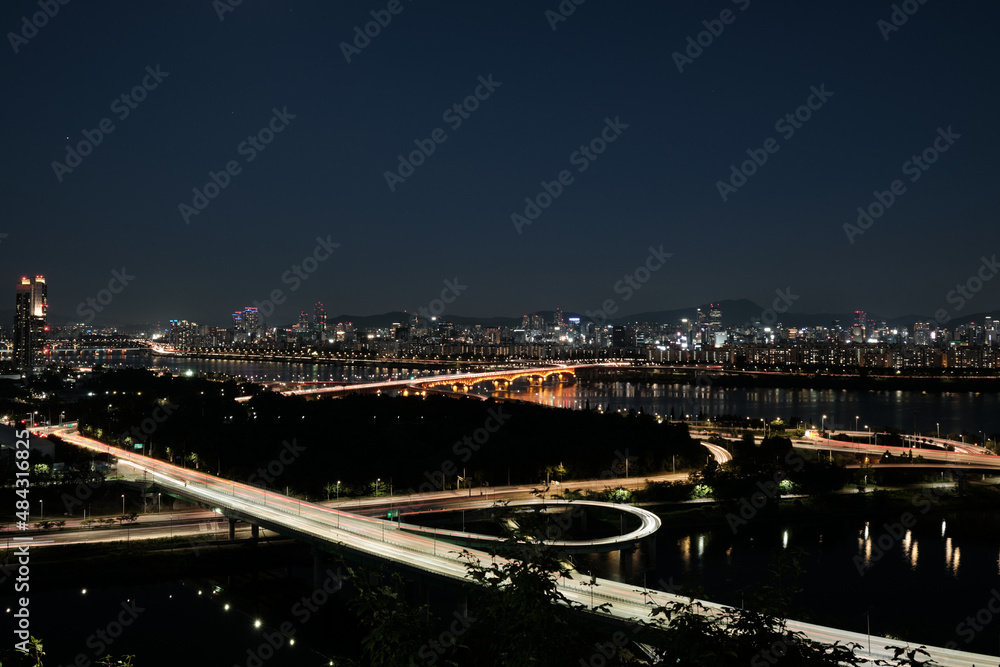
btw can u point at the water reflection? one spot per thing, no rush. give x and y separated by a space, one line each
903 409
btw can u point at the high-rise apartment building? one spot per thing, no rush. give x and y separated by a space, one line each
246 325
319 320
29 321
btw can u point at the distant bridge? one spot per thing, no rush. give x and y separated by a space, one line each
455 381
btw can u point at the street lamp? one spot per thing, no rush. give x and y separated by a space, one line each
376 486
158 502
869 434
338 489
593 582
41 510
123 504
939 430
855 422
822 427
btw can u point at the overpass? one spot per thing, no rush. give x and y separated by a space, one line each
965 456
383 541
649 523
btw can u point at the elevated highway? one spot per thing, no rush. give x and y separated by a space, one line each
383 541
965 456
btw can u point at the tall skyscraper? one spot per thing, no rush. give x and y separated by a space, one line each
319 320
715 316
29 321
861 322
239 331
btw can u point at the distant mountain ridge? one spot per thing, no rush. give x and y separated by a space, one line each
734 313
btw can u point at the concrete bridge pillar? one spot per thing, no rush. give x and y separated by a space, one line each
625 559
232 529
463 605
254 531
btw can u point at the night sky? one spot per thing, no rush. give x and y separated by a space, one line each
886 93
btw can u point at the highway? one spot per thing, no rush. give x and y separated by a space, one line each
179 525
649 523
969 457
384 540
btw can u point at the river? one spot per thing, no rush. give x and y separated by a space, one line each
946 568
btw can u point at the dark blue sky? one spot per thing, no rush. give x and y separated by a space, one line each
323 174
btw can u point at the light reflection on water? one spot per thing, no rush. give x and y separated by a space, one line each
907 410
849 564
960 559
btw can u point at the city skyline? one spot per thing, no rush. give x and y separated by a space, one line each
328 170
505 312
746 310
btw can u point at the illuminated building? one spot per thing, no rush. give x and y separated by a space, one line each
29 321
